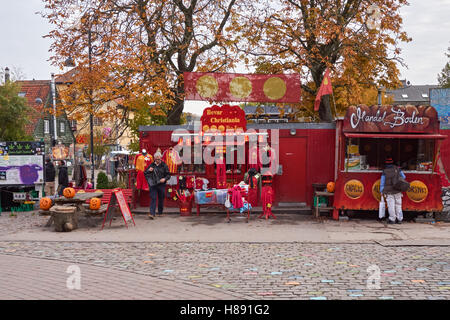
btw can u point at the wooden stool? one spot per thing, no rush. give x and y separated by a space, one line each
64 218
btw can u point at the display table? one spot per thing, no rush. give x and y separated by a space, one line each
214 197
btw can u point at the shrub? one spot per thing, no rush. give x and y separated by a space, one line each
102 181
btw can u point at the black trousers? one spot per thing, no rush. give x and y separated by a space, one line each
157 192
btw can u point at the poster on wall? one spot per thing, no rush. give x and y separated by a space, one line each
21 163
440 100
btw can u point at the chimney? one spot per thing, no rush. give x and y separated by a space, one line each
6 74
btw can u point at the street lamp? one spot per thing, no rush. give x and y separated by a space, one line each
92 50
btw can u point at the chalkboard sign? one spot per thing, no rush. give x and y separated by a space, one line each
117 200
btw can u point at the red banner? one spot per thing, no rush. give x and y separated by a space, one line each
409 118
235 87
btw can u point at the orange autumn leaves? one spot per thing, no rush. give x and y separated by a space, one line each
147 45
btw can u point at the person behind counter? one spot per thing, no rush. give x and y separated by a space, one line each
157 174
393 196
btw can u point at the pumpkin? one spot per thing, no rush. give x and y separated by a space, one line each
95 203
69 192
330 186
45 203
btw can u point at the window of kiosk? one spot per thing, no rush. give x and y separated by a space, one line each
366 154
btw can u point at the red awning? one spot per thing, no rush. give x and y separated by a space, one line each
394 135
224 143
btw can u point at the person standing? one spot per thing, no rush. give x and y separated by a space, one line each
157 174
393 196
63 177
50 174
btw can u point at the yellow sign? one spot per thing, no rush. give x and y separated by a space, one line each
240 87
274 88
354 189
376 190
207 86
353 149
418 191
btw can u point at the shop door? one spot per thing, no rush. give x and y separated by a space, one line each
291 186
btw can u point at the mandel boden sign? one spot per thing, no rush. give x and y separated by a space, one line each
409 118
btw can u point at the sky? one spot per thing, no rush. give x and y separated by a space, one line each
23 46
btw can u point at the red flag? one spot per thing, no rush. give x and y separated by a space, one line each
325 88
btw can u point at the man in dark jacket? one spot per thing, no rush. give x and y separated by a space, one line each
393 196
50 174
157 174
63 178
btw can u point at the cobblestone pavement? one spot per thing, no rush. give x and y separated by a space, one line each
265 270
35 279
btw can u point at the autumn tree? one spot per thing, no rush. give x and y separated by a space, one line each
13 113
142 47
357 39
444 76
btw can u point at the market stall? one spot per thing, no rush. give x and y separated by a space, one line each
367 135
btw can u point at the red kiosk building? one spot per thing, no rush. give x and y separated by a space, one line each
367 135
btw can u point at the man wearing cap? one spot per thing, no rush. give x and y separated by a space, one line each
393 196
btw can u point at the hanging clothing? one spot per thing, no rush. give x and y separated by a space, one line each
236 197
267 199
221 173
172 159
141 162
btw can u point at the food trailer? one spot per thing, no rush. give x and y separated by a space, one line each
367 135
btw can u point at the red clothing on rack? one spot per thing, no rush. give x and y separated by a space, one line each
236 197
172 159
141 163
221 174
267 198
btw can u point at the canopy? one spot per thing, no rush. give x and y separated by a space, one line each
394 135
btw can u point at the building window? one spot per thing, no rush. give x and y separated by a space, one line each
62 127
21 94
404 96
98 121
46 126
424 95
73 125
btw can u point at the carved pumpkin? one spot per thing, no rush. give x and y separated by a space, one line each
95 203
69 192
330 187
45 203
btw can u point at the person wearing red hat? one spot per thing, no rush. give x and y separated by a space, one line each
393 196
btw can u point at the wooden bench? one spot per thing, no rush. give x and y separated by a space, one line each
128 194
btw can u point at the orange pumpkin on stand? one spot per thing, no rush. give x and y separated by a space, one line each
69 192
330 187
45 203
95 203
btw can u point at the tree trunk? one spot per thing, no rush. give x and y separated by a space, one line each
325 114
174 114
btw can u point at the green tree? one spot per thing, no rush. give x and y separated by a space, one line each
13 113
444 76
102 181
